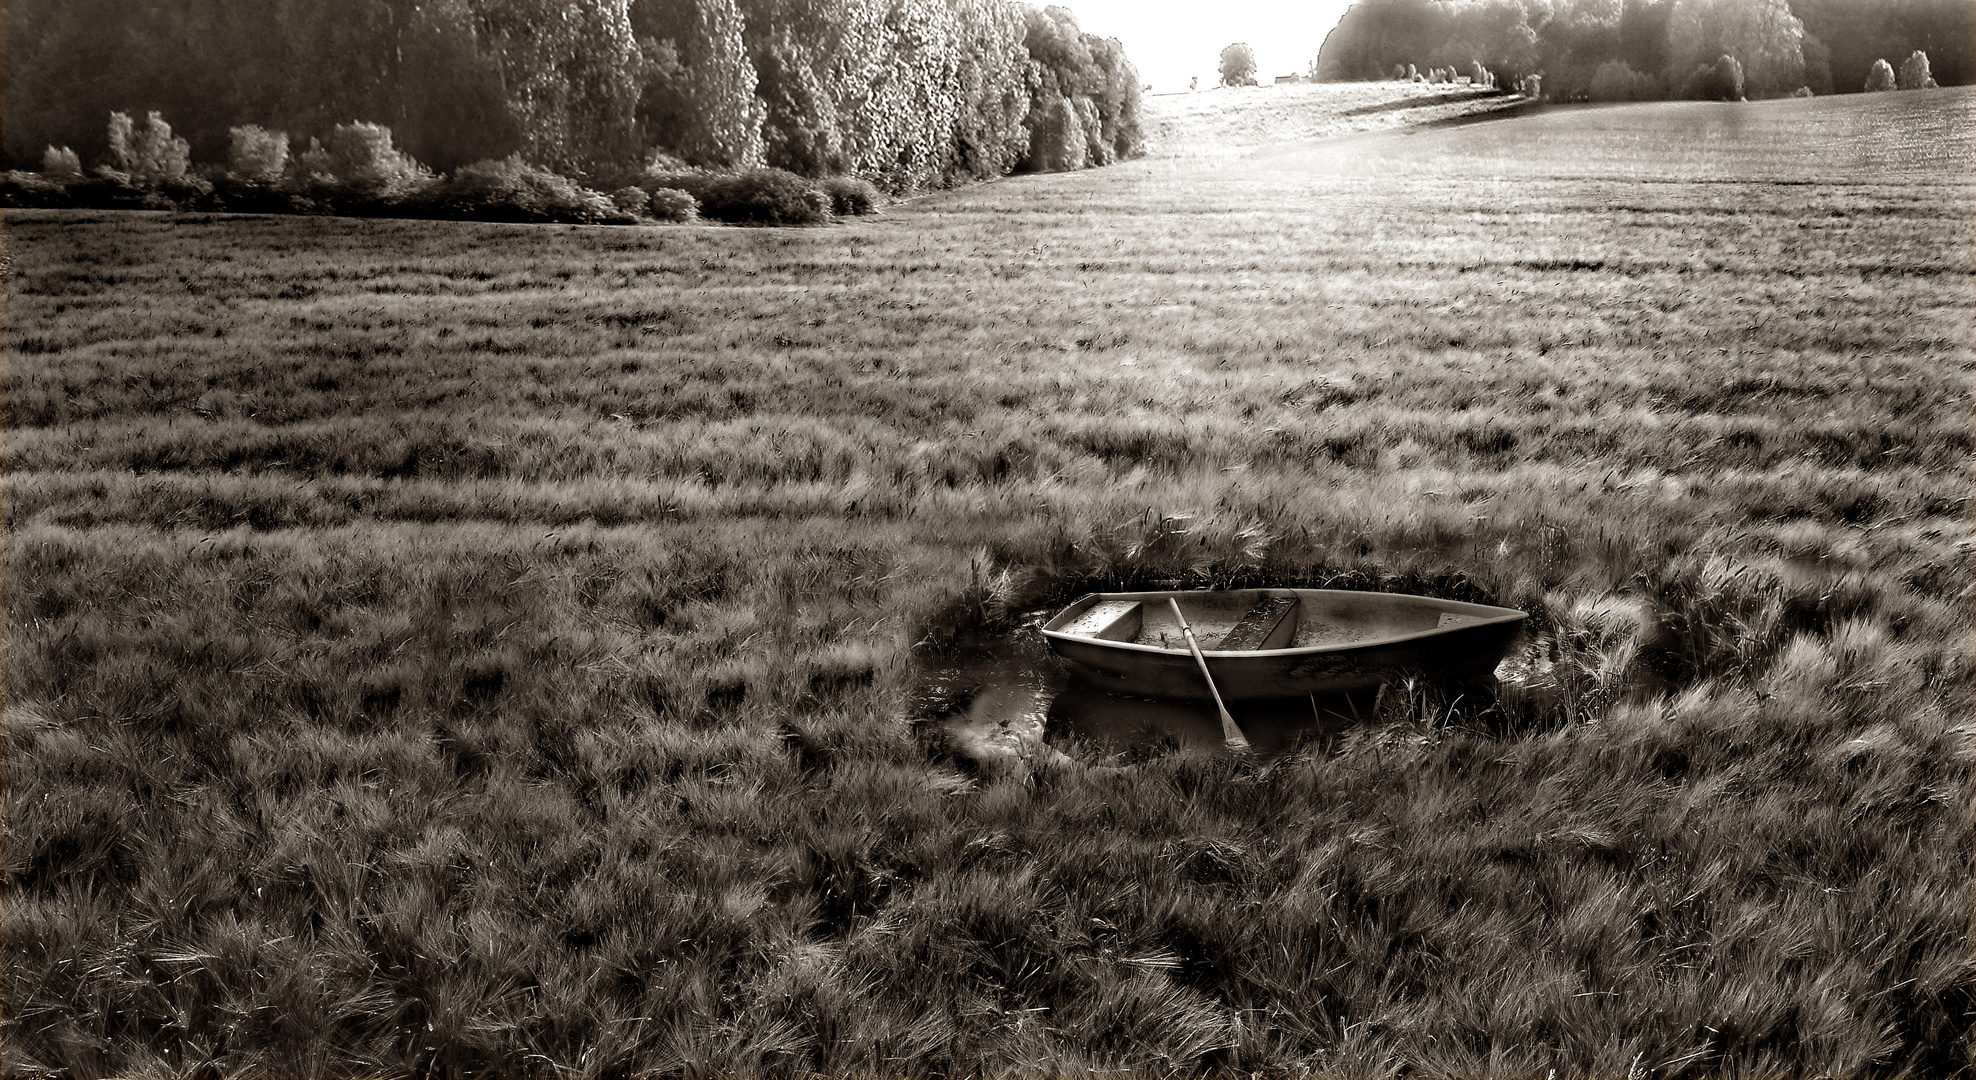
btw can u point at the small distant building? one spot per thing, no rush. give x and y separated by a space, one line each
1281 79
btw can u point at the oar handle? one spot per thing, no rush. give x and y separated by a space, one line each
1230 733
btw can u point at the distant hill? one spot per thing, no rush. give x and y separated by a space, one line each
1238 120
1644 49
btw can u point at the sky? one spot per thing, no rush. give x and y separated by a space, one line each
1170 41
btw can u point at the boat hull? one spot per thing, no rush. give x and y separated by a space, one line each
1358 641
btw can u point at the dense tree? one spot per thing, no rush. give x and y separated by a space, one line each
571 73
1880 77
989 138
1238 65
1914 73
1723 80
1375 36
1580 39
1501 35
698 98
1853 34
1615 80
912 93
1083 95
1781 44
1763 37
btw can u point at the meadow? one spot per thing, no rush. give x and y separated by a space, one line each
456 648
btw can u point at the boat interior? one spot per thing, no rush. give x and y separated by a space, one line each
1240 620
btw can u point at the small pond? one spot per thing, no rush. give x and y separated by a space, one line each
999 696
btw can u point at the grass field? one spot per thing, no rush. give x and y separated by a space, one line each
472 648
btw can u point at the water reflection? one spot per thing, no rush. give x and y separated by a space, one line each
999 705
1117 722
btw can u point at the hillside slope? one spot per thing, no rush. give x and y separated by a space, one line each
1238 120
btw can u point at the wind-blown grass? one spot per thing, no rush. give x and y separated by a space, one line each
493 649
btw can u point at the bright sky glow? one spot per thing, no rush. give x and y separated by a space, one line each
1170 41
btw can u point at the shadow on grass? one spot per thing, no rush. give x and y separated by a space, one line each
1426 102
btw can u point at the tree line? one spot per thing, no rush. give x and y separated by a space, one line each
1643 49
907 93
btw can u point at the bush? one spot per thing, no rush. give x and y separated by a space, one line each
631 200
1720 81
1914 73
359 172
23 190
1881 77
513 190
850 195
61 164
243 196
1616 81
672 204
692 181
256 153
149 155
113 189
764 197
361 155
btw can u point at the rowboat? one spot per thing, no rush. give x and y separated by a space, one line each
1263 644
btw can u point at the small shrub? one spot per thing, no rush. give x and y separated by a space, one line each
661 162
1802 91
186 189
244 196
1719 81
1881 77
113 189
764 197
631 200
1914 73
358 171
850 195
23 190
672 204
256 153
692 181
513 190
61 163
1399 73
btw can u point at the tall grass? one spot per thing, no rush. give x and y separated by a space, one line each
495 649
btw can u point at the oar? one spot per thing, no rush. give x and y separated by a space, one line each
1230 734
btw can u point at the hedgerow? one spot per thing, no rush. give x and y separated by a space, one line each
360 171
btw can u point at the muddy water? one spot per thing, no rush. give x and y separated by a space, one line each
1010 698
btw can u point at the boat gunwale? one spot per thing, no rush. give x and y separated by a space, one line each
1500 617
